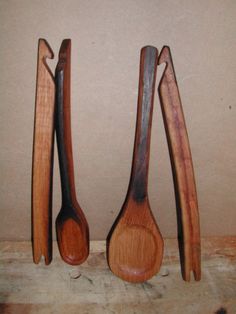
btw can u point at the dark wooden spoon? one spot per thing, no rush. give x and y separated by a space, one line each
135 245
71 225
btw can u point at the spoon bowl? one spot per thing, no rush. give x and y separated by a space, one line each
136 245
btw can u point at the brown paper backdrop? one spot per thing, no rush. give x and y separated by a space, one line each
106 40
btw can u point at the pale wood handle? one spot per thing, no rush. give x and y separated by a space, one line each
182 167
42 164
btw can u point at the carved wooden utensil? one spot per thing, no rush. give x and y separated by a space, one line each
42 163
182 168
135 245
71 225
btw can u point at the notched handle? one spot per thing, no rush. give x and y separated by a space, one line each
182 168
42 162
45 52
165 57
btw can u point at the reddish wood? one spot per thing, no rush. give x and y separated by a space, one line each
183 173
42 164
135 245
71 225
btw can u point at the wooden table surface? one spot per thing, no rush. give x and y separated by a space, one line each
92 288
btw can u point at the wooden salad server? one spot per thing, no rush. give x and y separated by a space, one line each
182 168
135 245
42 162
71 225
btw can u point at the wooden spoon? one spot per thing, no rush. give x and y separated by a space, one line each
182 168
135 245
42 162
71 225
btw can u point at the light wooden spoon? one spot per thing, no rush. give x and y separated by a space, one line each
71 224
135 245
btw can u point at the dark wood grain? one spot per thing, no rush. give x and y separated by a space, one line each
71 225
135 245
139 174
42 163
182 168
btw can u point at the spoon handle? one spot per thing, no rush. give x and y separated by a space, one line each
147 78
63 124
183 173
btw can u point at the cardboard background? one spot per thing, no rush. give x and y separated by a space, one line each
106 40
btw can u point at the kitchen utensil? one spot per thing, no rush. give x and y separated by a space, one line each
135 245
71 225
182 168
42 163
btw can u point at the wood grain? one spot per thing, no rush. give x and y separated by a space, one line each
92 288
71 225
182 167
42 164
135 245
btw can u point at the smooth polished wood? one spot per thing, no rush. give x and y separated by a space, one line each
182 168
42 164
135 245
71 225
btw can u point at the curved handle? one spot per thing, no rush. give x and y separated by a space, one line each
182 168
147 78
63 123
